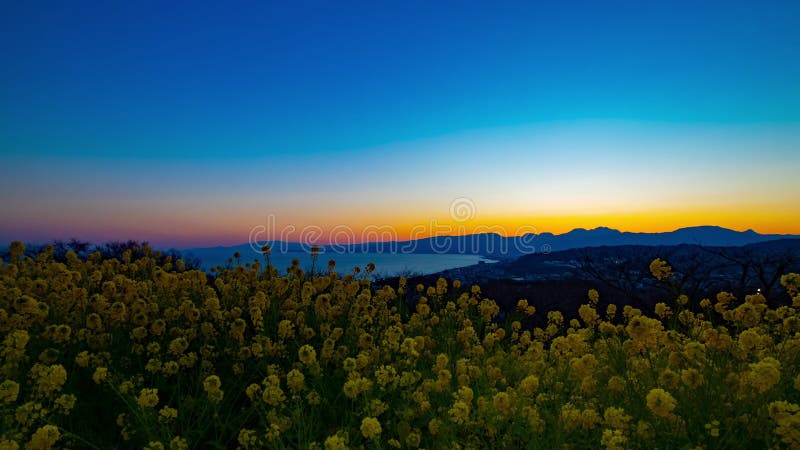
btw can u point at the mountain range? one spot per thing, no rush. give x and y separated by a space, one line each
499 247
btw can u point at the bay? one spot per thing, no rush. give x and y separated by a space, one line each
386 264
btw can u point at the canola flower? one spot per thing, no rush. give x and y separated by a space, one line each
660 269
44 438
370 428
139 352
213 387
148 398
661 402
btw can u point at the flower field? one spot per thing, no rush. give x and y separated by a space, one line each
140 352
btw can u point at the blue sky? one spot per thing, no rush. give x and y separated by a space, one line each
191 108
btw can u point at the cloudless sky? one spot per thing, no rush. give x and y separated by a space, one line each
188 123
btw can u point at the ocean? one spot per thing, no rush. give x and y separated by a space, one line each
386 264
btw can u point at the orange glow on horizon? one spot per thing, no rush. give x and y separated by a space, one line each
196 227
645 222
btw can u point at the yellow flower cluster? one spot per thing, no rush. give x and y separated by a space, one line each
370 427
660 269
148 398
44 438
787 416
135 352
660 402
213 387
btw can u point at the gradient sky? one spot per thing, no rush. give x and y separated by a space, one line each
189 123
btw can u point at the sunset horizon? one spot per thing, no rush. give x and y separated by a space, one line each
192 131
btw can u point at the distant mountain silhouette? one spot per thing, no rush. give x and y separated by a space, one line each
703 235
495 246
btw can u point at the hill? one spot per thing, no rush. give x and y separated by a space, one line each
494 246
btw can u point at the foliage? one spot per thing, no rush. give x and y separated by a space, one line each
112 249
138 351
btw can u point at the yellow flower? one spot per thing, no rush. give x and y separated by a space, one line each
295 380
158 327
572 417
8 445
723 300
502 402
611 311
82 359
167 414
669 378
65 402
691 377
377 407
16 249
178 443
51 379
212 385
434 425
313 398
791 282
713 428
787 416
125 387
660 402
529 384
336 442
616 384
44 438
763 375
616 418
248 438
148 398
273 394
413 439
644 430
253 391
459 412
613 439
153 365
662 310
588 314
100 375
349 364
370 427
286 329
307 355
660 269
385 375
407 360
465 394
9 390
645 331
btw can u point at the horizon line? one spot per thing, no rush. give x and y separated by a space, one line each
366 242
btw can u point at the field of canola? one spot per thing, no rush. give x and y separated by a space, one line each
139 352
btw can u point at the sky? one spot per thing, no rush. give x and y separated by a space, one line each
199 124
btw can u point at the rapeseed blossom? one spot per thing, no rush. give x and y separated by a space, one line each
661 402
135 348
370 427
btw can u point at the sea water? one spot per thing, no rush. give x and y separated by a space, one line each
386 264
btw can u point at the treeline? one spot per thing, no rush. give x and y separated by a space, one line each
108 250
